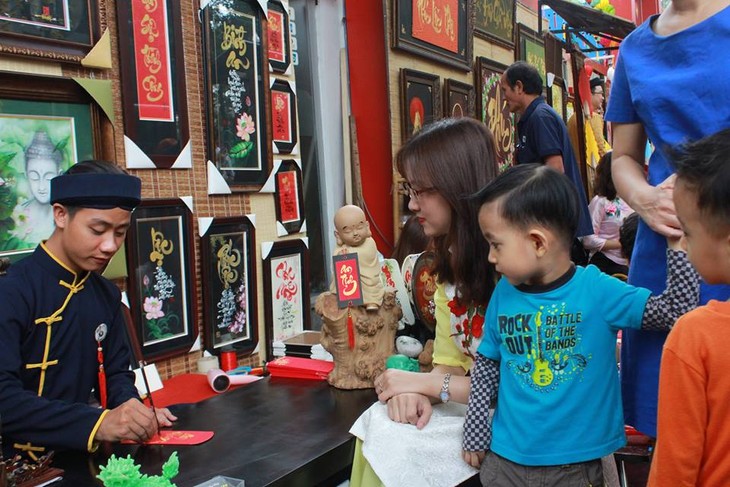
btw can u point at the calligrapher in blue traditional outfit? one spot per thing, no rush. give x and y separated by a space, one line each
65 380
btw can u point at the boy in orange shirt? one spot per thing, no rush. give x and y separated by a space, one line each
694 412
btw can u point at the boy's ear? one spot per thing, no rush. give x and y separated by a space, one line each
60 215
539 240
338 240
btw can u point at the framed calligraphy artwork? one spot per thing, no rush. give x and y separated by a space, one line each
423 288
458 99
46 125
283 117
348 285
440 30
278 36
557 97
420 100
153 78
228 252
286 290
161 269
493 110
531 48
237 105
61 30
495 21
289 196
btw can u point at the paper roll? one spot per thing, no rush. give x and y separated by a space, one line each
207 363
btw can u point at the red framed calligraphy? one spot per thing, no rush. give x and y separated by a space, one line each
420 100
236 81
283 117
153 79
423 288
493 110
278 36
348 285
286 290
440 30
289 196
228 251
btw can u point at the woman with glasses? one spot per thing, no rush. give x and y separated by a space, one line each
443 164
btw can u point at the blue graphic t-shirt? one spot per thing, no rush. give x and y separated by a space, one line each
559 399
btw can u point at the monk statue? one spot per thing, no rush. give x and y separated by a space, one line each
352 234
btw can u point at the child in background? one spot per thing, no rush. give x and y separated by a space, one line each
627 235
607 214
693 432
412 240
549 342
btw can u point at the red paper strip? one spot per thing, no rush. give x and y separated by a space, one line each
152 60
276 36
437 22
170 437
281 123
288 196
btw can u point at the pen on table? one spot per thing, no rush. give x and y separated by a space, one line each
149 393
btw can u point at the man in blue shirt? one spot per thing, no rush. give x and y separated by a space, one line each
542 136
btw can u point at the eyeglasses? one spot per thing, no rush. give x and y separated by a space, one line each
406 189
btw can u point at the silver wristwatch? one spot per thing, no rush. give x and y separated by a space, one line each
444 395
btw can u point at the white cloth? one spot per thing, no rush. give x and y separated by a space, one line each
404 456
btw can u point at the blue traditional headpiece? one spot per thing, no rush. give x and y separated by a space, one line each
97 190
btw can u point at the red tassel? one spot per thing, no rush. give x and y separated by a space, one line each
350 330
102 375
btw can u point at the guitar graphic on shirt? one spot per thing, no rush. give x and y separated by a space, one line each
542 375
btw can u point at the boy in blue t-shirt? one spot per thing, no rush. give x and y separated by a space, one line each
549 346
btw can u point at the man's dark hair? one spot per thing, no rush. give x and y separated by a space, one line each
704 167
627 234
596 82
527 74
535 194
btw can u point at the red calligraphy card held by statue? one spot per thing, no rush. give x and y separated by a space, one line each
347 280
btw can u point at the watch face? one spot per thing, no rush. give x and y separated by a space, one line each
444 396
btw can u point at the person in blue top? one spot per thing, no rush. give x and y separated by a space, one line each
669 86
65 381
548 352
542 136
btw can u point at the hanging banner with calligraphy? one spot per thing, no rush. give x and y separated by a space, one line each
289 196
347 281
531 48
495 21
494 111
441 30
235 89
228 250
283 116
153 82
286 290
278 36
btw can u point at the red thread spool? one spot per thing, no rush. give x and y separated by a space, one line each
229 361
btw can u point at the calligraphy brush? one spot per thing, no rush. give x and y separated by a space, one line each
149 393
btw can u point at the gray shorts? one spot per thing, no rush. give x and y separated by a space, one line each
500 472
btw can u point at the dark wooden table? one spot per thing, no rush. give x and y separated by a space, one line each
272 432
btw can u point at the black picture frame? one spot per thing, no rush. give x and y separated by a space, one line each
285 314
420 100
417 36
160 130
32 29
279 41
531 48
230 301
236 84
284 128
495 21
289 196
161 277
459 99
492 109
